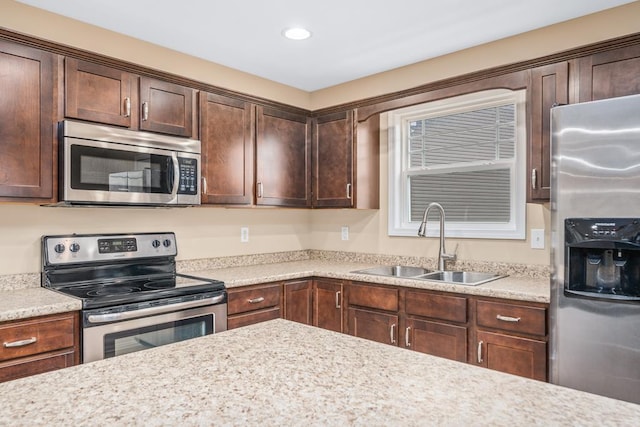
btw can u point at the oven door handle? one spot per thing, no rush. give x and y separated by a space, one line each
114 317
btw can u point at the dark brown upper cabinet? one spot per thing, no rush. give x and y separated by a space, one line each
26 130
549 87
333 160
609 74
227 135
107 95
283 158
98 94
166 107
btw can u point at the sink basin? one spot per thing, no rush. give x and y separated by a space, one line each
470 278
394 271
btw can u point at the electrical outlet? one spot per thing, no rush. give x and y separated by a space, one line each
537 238
345 233
244 234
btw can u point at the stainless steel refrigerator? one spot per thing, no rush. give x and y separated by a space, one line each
595 233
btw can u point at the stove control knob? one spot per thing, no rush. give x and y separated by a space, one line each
155 243
59 248
166 243
74 247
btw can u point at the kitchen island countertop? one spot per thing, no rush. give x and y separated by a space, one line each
284 373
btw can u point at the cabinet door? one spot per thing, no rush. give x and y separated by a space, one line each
297 301
166 107
513 355
226 134
333 160
437 339
26 128
327 305
97 93
375 326
283 158
609 74
549 86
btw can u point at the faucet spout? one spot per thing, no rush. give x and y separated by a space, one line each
422 231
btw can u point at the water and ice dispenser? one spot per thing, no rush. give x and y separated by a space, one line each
603 258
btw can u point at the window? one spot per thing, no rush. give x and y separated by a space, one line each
466 153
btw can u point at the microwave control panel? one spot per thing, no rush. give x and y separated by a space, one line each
188 174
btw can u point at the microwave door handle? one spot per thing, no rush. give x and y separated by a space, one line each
176 176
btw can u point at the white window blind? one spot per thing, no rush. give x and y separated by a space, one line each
465 153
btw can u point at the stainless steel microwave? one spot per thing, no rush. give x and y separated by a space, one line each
104 165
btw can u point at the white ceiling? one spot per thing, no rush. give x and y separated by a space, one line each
351 38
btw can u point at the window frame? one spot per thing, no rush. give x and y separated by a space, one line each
399 223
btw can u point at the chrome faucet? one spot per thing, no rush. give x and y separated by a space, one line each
422 231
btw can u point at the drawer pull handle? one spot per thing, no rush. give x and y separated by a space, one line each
392 332
20 343
338 293
507 318
407 343
480 352
256 300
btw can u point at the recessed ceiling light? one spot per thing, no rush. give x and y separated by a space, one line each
296 33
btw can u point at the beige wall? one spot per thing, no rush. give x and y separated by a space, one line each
208 232
201 232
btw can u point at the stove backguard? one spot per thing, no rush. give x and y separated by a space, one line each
603 258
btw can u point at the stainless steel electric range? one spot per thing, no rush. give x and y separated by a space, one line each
132 297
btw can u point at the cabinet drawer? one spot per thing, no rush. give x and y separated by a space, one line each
443 307
36 336
244 300
373 297
512 317
33 365
250 318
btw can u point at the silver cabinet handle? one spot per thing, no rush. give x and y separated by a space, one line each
338 299
256 300
480 360
407 343
507 318
534 178
145 111
259 189
204 185
392 333
20 343
127 107
348 190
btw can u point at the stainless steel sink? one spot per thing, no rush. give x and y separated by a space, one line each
394 271
470 278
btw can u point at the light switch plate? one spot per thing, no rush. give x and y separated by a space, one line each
537 238
345 233
244 234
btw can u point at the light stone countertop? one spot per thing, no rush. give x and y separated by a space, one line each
32 302
280 373
510 287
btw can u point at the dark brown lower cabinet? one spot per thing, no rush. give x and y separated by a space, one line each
327 304
514 355
297 301
36 345
436 339
373 325
253 304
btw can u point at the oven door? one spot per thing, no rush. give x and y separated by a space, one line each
110 173
114 338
